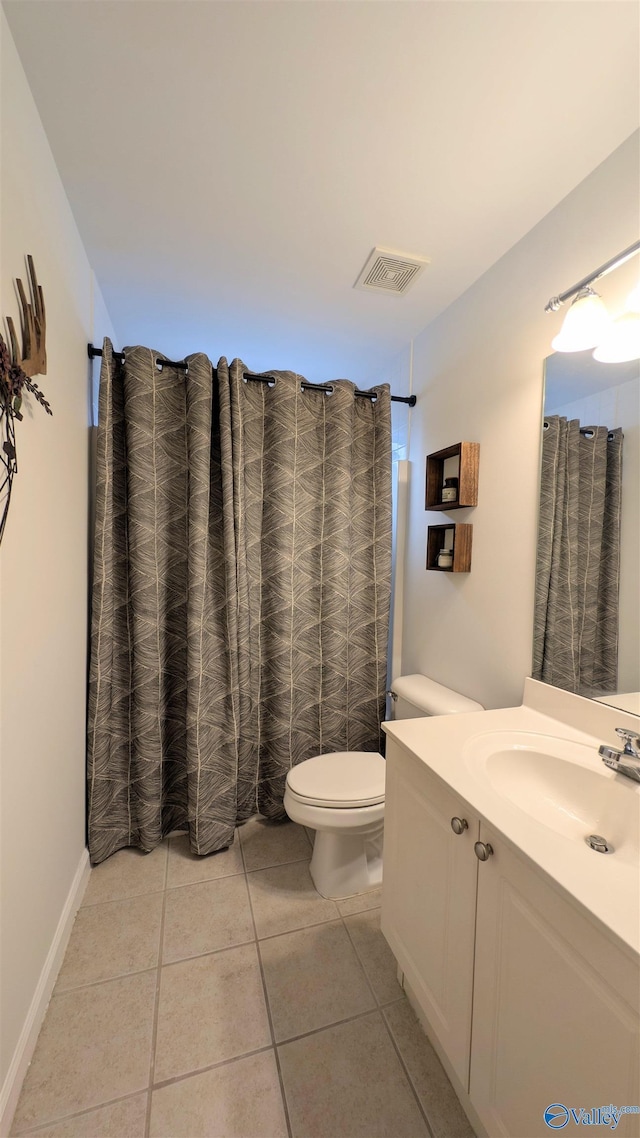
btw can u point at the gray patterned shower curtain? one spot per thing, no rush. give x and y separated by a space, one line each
241 588
577 574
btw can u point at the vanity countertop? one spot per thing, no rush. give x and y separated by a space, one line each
606 885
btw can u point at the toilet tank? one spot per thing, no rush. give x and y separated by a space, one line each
418 695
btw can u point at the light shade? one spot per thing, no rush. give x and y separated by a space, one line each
633 300
585 325
622 342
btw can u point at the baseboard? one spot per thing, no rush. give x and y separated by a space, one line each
28 1037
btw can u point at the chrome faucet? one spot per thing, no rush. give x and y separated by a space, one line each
627 761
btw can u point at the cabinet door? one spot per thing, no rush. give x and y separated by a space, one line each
555 1014
429 897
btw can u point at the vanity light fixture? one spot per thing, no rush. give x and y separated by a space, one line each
633 300
622 342
587 323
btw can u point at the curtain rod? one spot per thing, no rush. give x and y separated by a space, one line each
554 304
409 399
588 432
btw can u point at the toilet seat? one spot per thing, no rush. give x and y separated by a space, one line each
341 780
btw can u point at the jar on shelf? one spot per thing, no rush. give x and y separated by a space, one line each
450 490
445 559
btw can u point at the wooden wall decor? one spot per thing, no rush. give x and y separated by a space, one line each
17 368
455 536
465 470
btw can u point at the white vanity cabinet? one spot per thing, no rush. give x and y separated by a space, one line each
429 897
555 1005
527 999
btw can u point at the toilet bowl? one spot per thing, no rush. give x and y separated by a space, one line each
341 796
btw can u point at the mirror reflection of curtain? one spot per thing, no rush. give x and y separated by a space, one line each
577 572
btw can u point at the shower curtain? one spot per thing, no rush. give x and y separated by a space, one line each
577 573
241 591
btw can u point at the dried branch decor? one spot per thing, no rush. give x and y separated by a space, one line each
17 369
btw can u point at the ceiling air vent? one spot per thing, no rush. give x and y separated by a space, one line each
390 271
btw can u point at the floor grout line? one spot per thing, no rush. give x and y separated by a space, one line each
154 967
360 961
403 1065
113 900
119 900
205 880
357 912
379 1008
298 929
101 983
156 1006
283 1096
328 1026
209 952
76 1114
277 865
184 1075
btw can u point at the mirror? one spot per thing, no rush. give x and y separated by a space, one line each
599 396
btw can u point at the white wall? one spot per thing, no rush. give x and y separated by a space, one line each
477 372
43 593
619 406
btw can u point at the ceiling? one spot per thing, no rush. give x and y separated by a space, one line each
231 164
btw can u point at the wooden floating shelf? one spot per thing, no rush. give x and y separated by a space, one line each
456 536
465 469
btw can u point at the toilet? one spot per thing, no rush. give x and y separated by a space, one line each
341 796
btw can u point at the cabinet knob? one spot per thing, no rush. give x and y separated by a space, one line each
483 851
459 825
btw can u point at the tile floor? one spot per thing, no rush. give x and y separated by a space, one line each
222 997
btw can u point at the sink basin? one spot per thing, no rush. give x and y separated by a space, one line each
560 783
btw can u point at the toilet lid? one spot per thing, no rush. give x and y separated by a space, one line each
341 779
